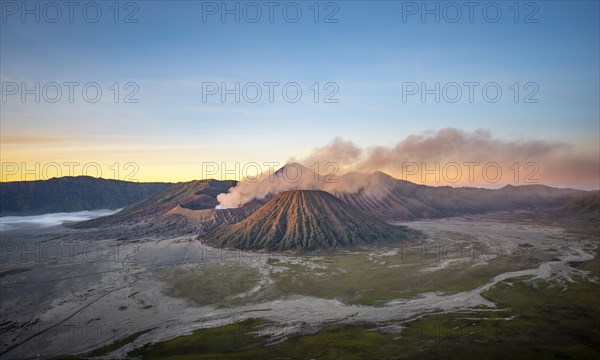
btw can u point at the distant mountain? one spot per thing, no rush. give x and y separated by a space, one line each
189 208
67 194
391 199
305 219
585 207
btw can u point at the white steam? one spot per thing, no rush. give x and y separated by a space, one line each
558 163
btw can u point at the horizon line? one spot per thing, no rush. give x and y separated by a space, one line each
474 186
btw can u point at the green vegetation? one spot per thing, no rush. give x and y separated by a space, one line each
117 344
212 283
240 341
548 320
535 319
354 279
206 343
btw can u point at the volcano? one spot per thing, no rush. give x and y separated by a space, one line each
183 208
308 220
204 206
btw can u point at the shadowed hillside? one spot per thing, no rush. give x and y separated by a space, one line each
187 208
585 207
391 199
182 209
69 194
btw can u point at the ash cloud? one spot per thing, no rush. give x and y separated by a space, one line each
292 176
555 163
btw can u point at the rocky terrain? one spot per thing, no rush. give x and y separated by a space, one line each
305 219
184 208
194 207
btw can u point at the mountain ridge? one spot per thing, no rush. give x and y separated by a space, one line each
185 208
72 193
189 207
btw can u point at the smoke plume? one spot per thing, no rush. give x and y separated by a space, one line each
445 157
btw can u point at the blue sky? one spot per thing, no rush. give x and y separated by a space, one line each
369 53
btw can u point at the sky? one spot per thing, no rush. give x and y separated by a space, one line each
367 72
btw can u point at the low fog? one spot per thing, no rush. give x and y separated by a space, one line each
8 223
